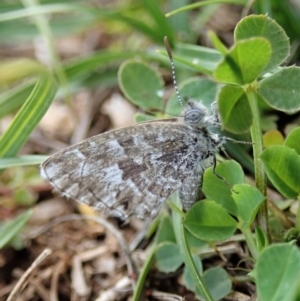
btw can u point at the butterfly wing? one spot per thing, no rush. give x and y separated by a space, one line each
129 171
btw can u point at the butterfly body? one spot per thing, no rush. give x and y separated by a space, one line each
133 170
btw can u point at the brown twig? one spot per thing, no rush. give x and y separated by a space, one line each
23 279
166 296
54 280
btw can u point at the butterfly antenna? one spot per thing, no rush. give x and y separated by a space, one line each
168 48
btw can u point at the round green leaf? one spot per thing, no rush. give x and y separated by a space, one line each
244 62
217 190
248 200
218 283
234 109
292 140
141 84
282 165
168 258
199 89
267 122
209 221
281 90
273 137
277 273
263 26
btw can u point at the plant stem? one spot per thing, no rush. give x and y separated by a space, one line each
298 215
185 251
143 274
250 243
260 176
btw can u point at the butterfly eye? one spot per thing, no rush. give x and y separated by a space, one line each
194 116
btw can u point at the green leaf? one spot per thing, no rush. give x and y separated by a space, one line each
202 3
277 273
17 69
21 30
244 62
199 89
139 24
13 99
168 258
292 140
292 234
22 161
273 137
28 116
282 165
194 58
248 200
142 85
263 26
202 58
217 282
83 66
217 43
217 190
209 221
195 243
240 152
15 12
162 24
281 90
234 109
11 228
261 239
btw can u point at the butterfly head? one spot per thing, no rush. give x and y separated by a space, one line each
196 115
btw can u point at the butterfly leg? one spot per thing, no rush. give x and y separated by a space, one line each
217 175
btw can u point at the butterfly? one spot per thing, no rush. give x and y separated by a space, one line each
131 171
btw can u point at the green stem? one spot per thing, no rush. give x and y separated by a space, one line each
298 216
250 243
143 274
185 252
260 176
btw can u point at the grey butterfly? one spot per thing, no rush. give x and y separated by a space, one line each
131 171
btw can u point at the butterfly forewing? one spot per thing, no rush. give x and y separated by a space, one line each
129 171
